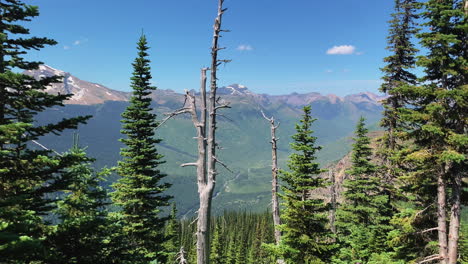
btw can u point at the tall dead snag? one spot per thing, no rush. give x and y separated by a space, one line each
205 124
274 175
332 201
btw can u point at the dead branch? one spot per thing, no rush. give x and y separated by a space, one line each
427 230
223 164
181 256
189 164
430 258
44 147
179 111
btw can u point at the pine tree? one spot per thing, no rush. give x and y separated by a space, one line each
172 236
437 117
82 230
216 253
411 198
397 75
306 236
28 175
363 218
139 192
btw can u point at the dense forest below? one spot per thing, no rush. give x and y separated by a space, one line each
397 196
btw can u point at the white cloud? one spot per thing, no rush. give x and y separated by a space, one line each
66 47
342 50
80 41
328 71
244 48
346 70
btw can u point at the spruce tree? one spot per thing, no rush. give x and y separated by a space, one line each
139 192
28 175
437 117
398 77
216 253
82 229
306 236
172 237
362 220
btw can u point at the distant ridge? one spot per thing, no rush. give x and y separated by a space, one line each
89 93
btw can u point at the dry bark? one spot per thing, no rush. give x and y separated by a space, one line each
205 125
274 175
274 181
454 228
332 201
442 217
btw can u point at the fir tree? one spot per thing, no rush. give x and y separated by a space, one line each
363 218
172 236
28 175
397 75
82 230
306 237
437 117
216 253
139 192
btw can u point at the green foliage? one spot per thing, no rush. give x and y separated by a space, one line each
80 235
435 120
28 176
171 233
237 238
363 219
397 75
139 193
306 238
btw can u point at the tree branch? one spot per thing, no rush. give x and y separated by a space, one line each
189 164
430 258
222 164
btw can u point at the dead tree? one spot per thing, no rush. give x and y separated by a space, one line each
181 257
274 175
205 125
274 181
332 202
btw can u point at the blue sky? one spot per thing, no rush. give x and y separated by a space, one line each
277 46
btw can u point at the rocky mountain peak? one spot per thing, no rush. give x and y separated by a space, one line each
234 89
84 93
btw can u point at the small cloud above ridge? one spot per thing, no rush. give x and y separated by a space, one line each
342 50
244 47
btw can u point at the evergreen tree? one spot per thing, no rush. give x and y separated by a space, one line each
397 75
241 247
28 175
363 218
437 118
139 192
306 237
411 197
172 236
216 254
82 231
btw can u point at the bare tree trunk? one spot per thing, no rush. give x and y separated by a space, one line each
274 175
333 202
442 217
205 125
454 228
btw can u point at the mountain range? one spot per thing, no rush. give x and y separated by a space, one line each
243 134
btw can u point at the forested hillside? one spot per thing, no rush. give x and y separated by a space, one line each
243 134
